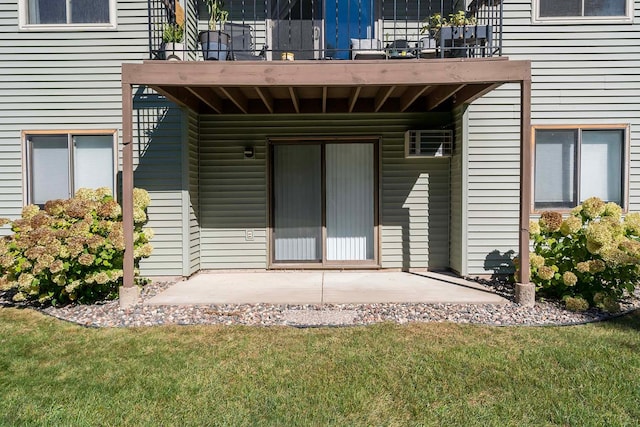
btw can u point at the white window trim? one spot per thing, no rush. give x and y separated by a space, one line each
537 19
626 153
23 22
26 172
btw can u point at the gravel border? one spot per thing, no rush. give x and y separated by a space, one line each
109 314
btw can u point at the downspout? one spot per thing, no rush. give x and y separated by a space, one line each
129 293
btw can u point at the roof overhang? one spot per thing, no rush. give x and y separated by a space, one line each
262 87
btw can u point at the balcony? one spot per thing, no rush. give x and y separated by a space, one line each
275 30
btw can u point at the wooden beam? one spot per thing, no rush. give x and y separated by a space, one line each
441 94
294 99
472 92
179 96
324 98
127 185
326 73
207 96
382 96
353 97
526 167
410 96
266 98
237 97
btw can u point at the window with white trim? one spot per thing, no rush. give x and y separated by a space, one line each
52 13
60 164
584 10
574 164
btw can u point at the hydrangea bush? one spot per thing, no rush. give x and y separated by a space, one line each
590 258
72 250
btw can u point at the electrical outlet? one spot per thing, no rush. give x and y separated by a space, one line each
248 235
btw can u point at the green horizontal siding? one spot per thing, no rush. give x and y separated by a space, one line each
71 80
581 74
233 190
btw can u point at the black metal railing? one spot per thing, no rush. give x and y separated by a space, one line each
330 29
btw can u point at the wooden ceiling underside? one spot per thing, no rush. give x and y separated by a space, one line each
324 87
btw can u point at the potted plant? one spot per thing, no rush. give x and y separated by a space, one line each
458 26
215 43
457 31
172 41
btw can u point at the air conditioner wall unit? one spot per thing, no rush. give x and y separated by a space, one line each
428 143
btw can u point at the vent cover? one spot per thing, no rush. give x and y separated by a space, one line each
428 143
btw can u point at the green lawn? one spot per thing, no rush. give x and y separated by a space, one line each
55 373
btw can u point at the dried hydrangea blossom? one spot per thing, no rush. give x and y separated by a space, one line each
86 259
109 209
599 235
534 228
570 226
632 223
593 207
30 211
569 278
141 199
550 221
55 207
139 216
612 210
545 273
597 266
536 260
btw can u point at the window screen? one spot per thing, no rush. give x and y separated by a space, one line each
601 165
93 161
555 168
49 168
572 165
59 165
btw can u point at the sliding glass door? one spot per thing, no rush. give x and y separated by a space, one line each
324 203
297 212
349 202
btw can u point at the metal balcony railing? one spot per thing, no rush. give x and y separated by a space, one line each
328 29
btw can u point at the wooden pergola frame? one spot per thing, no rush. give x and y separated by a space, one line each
263 87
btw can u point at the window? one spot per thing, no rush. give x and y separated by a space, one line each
65 13
580 10
60 164
572 165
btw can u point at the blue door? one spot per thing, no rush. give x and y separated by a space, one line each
346 20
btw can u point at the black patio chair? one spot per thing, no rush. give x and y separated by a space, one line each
242 45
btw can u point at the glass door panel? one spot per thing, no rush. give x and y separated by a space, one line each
297 189
346 20
350 203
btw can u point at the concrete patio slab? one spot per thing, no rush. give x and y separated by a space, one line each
380 287
324 287
244 288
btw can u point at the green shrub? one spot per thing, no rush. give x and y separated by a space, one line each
72 250
592 255
576 303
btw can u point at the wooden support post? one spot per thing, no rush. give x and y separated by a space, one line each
129 293
525 290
